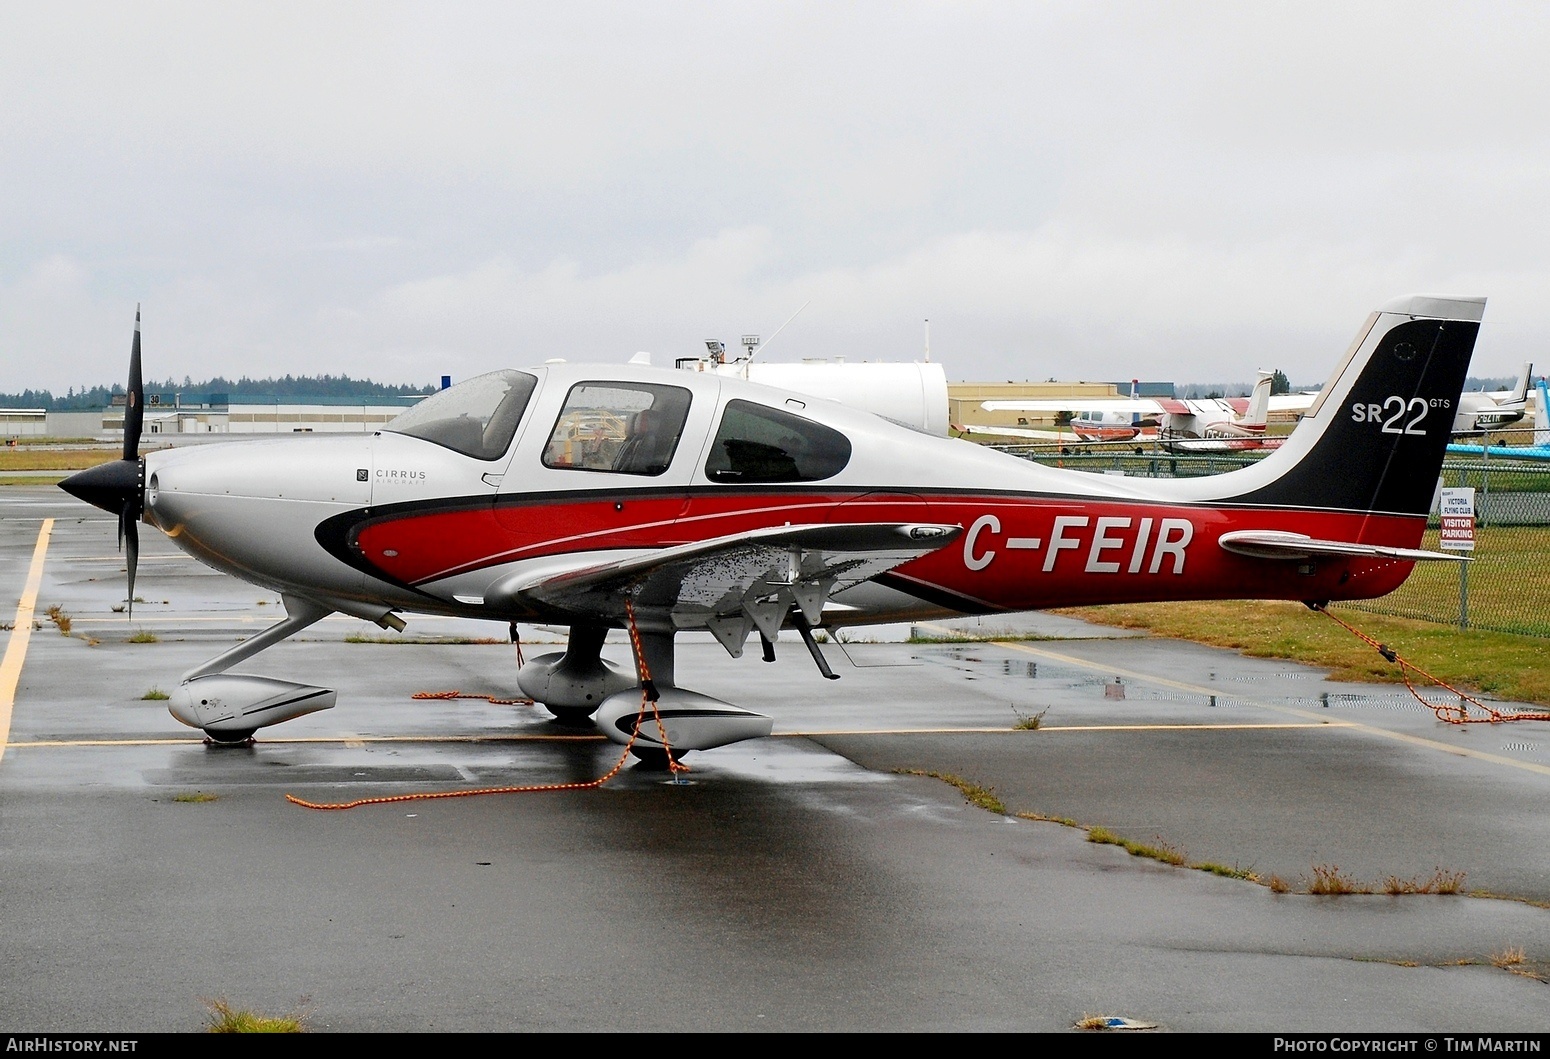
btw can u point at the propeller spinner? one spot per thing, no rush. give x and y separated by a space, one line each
119 487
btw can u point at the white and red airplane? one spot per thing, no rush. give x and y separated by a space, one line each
1476 411
1239 420
601 497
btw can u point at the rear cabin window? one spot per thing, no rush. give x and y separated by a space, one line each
477 418
759 444
623 427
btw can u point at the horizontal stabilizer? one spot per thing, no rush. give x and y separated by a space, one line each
1283 544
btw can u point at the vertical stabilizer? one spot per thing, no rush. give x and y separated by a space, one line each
1519 393
1259 403
1375 437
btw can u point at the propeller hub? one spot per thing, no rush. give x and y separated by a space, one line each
110 486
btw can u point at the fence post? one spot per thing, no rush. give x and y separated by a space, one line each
1485 480
1463 595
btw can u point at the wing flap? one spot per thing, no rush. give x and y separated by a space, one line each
728 576
1283 544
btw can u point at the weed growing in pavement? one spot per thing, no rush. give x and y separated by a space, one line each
1447 882
1063 821
226 1019
1029 722
1246 874
1441 882
984 797
1511 956
1162 851
1329 880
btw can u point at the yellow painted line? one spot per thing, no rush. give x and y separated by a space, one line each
443 739
1399 737
1068 728
275 614
24 744
21 632
348 740
808 733
234 618
1191 727
334 740
119 559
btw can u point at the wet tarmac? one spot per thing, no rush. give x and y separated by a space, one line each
800 882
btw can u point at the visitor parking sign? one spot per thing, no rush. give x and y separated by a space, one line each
1457 512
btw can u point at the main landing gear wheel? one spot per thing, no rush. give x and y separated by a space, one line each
652 759
573 716
223 739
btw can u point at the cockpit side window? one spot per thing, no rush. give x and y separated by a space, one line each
759 444
477 418
623 427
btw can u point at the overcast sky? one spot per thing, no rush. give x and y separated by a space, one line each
1180 192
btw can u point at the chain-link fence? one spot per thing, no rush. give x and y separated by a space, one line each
1505 588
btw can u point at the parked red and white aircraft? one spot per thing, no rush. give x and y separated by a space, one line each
1239 419
1476 410
602 497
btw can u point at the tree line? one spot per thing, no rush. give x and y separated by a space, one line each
340 386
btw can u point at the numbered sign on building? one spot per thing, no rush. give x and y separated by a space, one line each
1457 512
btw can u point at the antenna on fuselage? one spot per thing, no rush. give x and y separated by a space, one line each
756 347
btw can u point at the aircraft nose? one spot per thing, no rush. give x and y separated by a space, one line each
108 486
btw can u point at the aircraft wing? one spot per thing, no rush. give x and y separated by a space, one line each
1127 405
1227 444
738 580
1029 433
1292 402
1282 544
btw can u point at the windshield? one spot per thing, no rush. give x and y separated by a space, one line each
477 418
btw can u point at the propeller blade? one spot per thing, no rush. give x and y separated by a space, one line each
134 399
129 526
119 486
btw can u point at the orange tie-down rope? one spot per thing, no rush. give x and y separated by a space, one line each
516 642
648 700
470 695
1445 711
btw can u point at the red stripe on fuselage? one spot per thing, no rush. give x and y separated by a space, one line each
1017 552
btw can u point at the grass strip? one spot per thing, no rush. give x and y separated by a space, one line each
1506 665
54 459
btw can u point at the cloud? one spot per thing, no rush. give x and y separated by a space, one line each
1105 188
